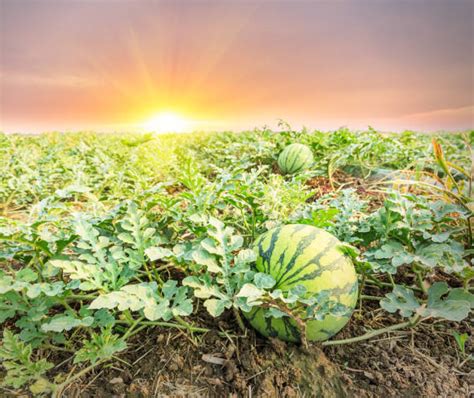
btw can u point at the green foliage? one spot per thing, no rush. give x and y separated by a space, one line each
16 358
443 302
144 297
461 340
412 230
224 272
101 236
100 347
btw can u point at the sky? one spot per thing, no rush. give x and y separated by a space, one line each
109 65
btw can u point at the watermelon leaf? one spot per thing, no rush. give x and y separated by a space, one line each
401 299
443 302
63 323
455 307
264 281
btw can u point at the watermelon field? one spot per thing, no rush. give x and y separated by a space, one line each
255 264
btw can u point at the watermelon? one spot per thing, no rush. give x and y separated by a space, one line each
304 255
295 158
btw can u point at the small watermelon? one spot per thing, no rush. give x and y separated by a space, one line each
309 256
295 158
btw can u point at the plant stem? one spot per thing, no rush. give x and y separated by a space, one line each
170 325
419 278
147 269
137 330
240 322
81 296
188 326
127 333
361 288
365 297
382 284
392 282
60 387
52 347
372 281
410 323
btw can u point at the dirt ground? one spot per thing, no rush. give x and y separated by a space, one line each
168 363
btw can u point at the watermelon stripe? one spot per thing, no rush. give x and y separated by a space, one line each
301 164
295 159
313 275
253 314
268 260
267 254
303 157
302 246
346 289
291 329
271 330
310 263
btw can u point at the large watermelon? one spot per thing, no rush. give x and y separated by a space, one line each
295 158
309 256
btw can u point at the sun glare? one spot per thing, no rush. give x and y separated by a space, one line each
166 122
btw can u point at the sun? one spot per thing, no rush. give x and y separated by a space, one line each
166 122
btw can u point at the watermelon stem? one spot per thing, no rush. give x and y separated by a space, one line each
408 324
239 320
373 281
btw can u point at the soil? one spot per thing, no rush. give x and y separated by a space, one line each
423 362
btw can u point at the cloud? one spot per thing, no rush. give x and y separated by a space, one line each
57 80
460 117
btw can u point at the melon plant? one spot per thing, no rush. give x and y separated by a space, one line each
303 255
295 158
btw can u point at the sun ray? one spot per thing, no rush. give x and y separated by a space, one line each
167 122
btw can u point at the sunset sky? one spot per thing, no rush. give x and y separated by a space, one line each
117 65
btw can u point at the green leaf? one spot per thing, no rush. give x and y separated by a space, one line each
441 237
264 281
389 250
65 323
157 253
400 299
461 294
154 310
202 257
250 291
274 313
461 340
452 308
216 307
210 246
100 347
127 238
104 318
430 255
15 356
144 297
245 256
202 289
41 386
27 275
402 259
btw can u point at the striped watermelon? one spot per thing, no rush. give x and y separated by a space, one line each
295 158
309 256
